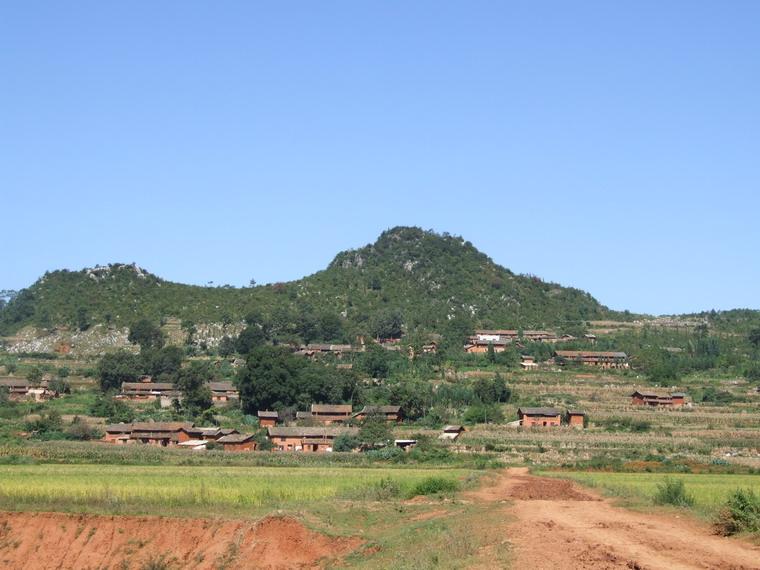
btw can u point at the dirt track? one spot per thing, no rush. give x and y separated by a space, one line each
555 524
32 541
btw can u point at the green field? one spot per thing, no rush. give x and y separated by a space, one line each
194 490
709 490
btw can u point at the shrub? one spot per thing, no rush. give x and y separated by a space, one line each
433 486
673 492
741 513
346 442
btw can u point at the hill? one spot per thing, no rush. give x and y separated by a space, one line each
423 279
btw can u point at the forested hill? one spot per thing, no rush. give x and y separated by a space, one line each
422 279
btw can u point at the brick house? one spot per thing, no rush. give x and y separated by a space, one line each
268 418
544 417
238 442
390 413
593 358
329 413
223 393
306 438
576 418
648 398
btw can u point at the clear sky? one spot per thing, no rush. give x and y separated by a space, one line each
612 146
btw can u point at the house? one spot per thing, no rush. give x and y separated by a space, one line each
193 444
161 433
238 442
451 432
514 334
223 393
530 417
405 444
478 346
306 438
208 433
329 413
21 389
390 413
528 362
592 358
576 418
315 350
648 398
148 390
118 433
267 418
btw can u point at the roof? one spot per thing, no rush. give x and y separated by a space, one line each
236 438
119 428
679 394
539 412
379 410
306 431
331 409
576 412
648 394
267 414
589 354
304 415
222 387
453 428
14 382
147 386
193 443
162 426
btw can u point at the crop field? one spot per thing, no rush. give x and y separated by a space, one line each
220 490
709 490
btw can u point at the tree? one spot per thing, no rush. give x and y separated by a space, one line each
346 442
193 383
491 354
147 334
166 361
387 324
226 346
269 379
375 431
83 319
413 397
59 386
251 337
754 337
375 361
34 375
118 367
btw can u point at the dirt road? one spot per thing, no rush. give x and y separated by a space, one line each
556 524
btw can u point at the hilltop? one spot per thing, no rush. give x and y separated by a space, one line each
423 279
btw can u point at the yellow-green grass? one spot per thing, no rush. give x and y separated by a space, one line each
191 490
709 491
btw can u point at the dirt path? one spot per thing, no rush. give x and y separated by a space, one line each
556 524
34 541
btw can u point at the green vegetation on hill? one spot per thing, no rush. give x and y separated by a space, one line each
409 277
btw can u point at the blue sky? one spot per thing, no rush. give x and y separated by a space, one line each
612 146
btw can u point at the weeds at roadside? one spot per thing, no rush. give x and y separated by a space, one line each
673 492
741 513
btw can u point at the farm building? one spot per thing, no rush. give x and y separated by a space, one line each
315 350
223 393
21 389
530 417
267 418
329 413
576 418
390 413
405 444
148 390
193 444
306 438
514 334
593 358
647 398
238 442
118 433
161 433
451 432
528 362
476 346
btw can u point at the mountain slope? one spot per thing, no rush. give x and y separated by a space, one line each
426 277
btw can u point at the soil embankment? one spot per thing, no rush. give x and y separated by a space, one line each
556 524
34 541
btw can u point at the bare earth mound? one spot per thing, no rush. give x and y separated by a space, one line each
53 540
556 524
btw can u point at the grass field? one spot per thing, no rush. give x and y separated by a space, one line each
709 490
196 490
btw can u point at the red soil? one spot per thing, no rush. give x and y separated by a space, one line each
52 540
